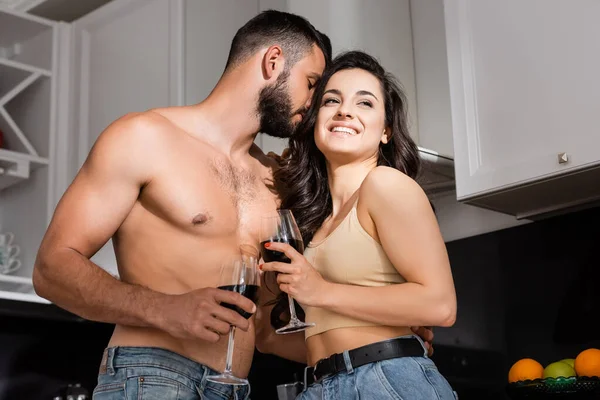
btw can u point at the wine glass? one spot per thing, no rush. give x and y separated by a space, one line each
280 226
238 274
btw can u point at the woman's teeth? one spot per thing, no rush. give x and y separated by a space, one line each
349 131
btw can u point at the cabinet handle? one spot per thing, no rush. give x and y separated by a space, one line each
563 158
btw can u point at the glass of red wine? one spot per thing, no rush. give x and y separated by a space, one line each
281 226
238 274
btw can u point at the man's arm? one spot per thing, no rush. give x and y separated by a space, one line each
291 346
89 213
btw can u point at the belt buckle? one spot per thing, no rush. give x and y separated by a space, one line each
306 382
320 362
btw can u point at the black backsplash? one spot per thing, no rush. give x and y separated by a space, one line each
527 291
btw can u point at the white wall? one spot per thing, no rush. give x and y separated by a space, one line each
205 57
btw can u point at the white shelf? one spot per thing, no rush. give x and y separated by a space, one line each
13 287
25 98
26 38
21 5
18 288
29 61
9 95
16 167
24 67
31 297
36 161
11 77
30 112
12 170
17 279
14 139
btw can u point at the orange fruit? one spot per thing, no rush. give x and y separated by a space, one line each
525 369
587 363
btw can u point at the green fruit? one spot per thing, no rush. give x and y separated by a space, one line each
570 361
557 369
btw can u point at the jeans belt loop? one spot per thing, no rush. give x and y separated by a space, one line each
348 362
110 356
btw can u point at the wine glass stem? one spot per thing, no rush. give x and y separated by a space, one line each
229 360
293 317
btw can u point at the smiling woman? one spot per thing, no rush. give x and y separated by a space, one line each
375 263
349 111
373 93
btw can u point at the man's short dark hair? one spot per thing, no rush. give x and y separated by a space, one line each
293 33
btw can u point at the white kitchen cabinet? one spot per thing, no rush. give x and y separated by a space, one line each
28 66
525 96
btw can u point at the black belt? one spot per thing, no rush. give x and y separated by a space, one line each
380 351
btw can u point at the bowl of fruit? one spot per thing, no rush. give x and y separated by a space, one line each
572 379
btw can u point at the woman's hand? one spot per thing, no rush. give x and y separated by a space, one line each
299 278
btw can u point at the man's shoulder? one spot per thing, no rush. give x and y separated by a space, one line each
135 128
150 121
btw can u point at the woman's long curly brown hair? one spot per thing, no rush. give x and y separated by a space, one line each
302 181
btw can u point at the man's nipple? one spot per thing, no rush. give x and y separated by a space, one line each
200 219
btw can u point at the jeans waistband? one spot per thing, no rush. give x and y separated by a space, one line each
343 362
122 357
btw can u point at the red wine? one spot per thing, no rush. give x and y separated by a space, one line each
272 255
248 291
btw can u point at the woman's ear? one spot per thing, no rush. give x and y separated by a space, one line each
386 136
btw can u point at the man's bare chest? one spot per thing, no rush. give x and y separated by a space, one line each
213 198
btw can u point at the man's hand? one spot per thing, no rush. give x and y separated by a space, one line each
200 315
280 159
426 334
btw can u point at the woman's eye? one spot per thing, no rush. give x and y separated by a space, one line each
366 103
330 100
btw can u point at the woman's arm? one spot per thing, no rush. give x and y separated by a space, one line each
410 236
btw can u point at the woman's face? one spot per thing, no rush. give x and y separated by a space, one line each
351 119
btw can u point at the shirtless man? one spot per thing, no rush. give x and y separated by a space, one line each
178 189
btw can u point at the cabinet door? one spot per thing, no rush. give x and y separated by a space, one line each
128 58
524 89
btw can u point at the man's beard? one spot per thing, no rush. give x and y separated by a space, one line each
275 109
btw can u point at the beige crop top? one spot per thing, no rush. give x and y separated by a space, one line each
349 255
